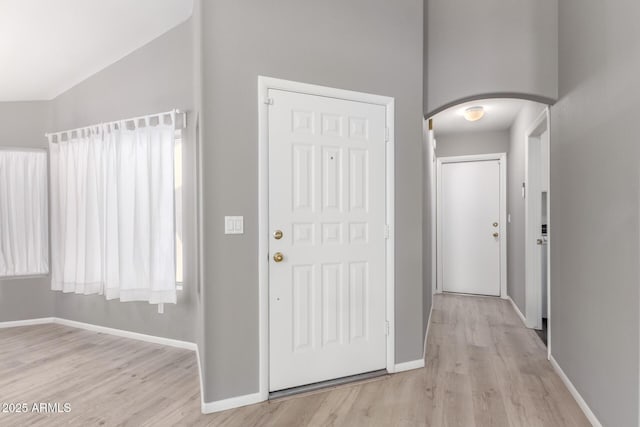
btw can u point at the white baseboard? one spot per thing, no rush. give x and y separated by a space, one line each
28 322
574 392
517 309
127 334
201 380
407 366
426 334
416 364
102 329
233 402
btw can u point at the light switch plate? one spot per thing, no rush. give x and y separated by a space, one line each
233 225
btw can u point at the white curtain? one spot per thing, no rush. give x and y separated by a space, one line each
112 213
24 237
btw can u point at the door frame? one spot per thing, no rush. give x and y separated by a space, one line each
264 84
432 180
533 295
502 229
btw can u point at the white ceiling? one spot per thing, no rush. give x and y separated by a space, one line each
49 46
499 115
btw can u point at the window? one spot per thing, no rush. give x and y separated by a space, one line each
24 234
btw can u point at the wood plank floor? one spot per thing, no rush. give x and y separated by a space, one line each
483 368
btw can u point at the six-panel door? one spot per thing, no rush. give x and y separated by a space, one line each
327 199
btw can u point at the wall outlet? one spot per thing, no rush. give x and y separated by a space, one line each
233 225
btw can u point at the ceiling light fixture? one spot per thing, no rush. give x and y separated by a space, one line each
473 114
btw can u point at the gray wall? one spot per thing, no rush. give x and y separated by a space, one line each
364 45
468 143
478 48
197 84
515 203
23 124
157 77
594 228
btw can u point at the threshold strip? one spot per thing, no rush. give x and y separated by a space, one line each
326 384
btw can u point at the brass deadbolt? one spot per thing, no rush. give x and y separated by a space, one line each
277 234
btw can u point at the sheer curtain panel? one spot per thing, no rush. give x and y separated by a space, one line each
24 237
112 212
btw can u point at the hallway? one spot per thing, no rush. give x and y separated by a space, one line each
489 370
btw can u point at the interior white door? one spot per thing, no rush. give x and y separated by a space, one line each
327 313
470 227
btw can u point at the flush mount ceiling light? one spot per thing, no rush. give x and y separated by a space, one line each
473 114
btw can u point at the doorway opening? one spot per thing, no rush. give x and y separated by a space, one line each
487 127
536 196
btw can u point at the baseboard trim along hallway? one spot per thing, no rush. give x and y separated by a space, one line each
417 364
517 310
574 392
231 403
426 334
408 366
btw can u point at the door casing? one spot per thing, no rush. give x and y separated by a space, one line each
431 147
533 304
502 229
264 84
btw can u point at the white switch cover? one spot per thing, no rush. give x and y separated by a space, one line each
233 225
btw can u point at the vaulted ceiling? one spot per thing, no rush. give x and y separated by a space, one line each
49 46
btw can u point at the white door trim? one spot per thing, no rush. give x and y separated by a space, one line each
264 84
533 306
502 158
431 156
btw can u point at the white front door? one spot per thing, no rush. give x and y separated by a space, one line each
327 221
470 229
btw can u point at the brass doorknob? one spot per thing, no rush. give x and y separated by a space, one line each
495 234
278 257
277 234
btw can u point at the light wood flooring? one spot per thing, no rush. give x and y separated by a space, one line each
483 368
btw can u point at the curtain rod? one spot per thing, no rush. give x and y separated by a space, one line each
132 119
